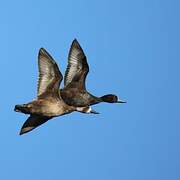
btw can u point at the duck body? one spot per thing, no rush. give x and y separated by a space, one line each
74 96
45 107
74 92
49 102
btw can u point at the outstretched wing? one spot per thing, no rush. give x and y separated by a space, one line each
77 68
33 122
49 75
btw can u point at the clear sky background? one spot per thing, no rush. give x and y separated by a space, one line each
133 51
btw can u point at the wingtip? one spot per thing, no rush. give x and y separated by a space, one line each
25 130
42 50
21 132
75 43
75 40
44 53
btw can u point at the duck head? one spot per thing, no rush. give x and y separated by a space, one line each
111 98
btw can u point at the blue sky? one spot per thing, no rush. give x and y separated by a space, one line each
133 51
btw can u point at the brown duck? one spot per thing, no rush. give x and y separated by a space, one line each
74 92
49 102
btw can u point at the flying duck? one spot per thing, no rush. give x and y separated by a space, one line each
49 102
74 92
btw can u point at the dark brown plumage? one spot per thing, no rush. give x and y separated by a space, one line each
74 92
49 103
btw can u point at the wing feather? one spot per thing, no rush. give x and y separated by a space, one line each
49 75
77 65
33 122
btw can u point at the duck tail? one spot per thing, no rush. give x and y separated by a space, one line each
23 108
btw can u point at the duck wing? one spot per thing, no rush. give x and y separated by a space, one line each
78 67
33 122
50 76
